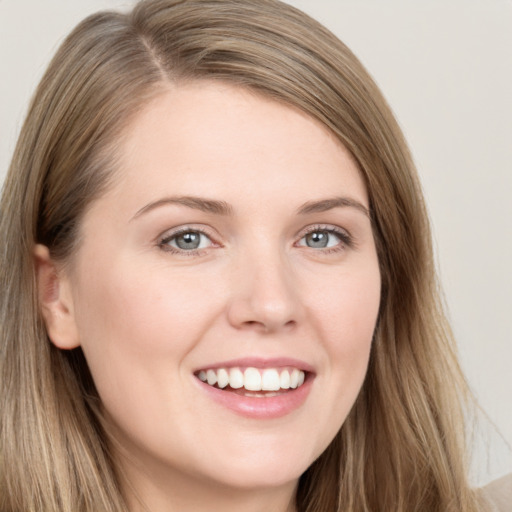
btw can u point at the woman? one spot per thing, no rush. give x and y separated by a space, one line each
219 289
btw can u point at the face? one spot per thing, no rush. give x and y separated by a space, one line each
233 253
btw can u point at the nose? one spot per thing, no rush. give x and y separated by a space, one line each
265 295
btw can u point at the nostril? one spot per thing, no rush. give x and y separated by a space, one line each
267 327
256 326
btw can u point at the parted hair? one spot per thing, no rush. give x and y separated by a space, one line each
402 447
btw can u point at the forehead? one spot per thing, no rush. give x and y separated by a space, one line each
219 140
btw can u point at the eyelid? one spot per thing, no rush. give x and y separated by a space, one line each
169 234
345 237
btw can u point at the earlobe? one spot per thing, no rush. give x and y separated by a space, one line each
55 300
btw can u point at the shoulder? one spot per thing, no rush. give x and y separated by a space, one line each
498 494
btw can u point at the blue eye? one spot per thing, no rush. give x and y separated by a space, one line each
321 238
186 240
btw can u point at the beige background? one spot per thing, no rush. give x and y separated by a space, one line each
446 69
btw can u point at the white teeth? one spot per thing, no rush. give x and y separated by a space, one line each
270 380
222 378
236 378
253 379
211 377
285 380
294 378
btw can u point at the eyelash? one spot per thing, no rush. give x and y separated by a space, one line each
164 241
346 240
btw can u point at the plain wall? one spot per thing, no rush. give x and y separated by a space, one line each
446 69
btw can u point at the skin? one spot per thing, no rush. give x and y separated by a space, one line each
148 315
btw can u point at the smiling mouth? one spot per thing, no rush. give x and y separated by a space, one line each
252 381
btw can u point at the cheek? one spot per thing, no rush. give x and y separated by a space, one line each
344 315
348 310
347 317
137 328
139 324
139 310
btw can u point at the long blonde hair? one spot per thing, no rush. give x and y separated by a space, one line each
402 446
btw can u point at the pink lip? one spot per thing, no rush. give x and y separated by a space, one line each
261 407
261 363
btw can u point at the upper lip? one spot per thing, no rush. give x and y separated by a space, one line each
260 363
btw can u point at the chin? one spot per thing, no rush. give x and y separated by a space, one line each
265 466
270 476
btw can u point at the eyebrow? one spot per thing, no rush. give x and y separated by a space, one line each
331 203
222 208
196 203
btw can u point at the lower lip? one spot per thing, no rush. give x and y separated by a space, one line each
260 407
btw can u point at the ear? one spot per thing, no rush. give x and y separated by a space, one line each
55 300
